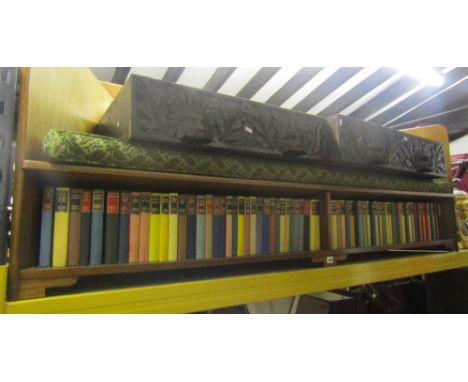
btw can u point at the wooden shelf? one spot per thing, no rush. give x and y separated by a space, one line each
113 177
193 296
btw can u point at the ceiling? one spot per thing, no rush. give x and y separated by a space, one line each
381 95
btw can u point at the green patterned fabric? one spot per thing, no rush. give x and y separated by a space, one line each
97 150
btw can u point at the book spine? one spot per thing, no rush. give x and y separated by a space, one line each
246 226
259 230
155 226
300 214
334 226
182 228
200 246
228 241
240 225
339 227
208 226
384 224
143 248
134 229
222 230
61 224
282 225
292 225
253 226
164 229
191 227
124 226
374 224
111 239
347 226
368 223
315 225
277 225
216 227
47 218
97 227
173 227
306 234
85 231
388 215
352 224
271 227
234 226
266 227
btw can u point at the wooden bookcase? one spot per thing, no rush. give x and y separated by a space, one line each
71 98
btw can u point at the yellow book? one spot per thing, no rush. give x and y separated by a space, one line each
173 227
401 220
334 228
208 226
282 227
388 218
240 225
287 225
253 225
61 221
314 225
164 229
155 225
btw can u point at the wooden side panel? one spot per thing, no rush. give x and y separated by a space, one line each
62 98
437 133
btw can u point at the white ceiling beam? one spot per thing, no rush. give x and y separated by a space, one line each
195 77
275 83
237 80
157 73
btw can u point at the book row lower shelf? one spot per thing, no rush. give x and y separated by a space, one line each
97 227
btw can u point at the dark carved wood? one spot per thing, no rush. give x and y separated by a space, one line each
159 112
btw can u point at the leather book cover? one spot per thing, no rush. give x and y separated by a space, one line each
164 229
155 226
182 228
306 231
97 227
216 226
124 226
47 222
209 227
200 237
259 228
228 241
234 226
222 230
240 225
61 223
85 230
191 227
134 230
246 225
173 226
277 225
111 238
143 247
253 226
272 227
74 228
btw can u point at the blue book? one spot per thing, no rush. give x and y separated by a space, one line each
259 226
124 227
47 219
234 226
97 227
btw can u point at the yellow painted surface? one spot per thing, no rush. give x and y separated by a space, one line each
210 294
3 287
62 98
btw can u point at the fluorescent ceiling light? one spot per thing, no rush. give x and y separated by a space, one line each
427 76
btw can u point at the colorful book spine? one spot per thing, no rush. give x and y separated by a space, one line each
300 233
97 227
143 248
271 227
182 228
222 230
253 226
314 225
240 225
134 228
234 226
85 231
266 227
111 235
216 226
228 241
61 224
164 229
259 230
124 226
173 227
246 226
277 225
374 224
191 227
47 222
282 230
155 226
200 246
384 224
388 218
306 234
287 226
352 224
402 220
334 225
293 226
208 226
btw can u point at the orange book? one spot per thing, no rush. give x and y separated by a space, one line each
134 229
143 248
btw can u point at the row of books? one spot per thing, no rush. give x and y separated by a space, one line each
366 224
90 227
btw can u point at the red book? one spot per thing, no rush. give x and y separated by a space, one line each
111 235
